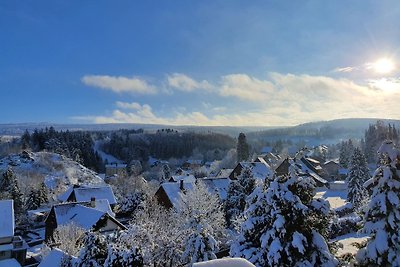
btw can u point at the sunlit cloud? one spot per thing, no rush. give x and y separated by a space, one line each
277 99
345 69
183 82
119 84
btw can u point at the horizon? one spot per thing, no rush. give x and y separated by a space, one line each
209 63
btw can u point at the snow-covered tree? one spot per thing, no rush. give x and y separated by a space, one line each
9 189
157 231
131 203
382 218
94 250
68 238
238 191
346 151
120 255
202 222
36 197
358 175
284 225
165 173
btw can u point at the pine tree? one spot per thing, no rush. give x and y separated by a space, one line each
93 252
242 148
358 175
119 255
284 225
165 174
382 219
238 191
32 202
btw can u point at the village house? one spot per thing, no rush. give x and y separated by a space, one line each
95 215
331 170
12 248
260 169
84 193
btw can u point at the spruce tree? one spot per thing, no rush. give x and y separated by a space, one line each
358 175
382 219
93 252
284 225
238 191
242 148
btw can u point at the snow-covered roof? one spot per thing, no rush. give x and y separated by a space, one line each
260 170
103 205
81 215
186 178
54 258
11 263
218 185
7 218
225 262
86 193
173 191
224 173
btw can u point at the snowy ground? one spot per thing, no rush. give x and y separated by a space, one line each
348 241
104 155
336 198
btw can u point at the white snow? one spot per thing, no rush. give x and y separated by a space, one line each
174 192
82 216
9 263
348 242
54 258
7 218
104 155
336 198
86 193
225 262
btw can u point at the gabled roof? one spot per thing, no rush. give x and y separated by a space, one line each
224 173
81 215
86 193
217 185
54 258
6 218
186 178
261 170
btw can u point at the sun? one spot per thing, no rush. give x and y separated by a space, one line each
383 65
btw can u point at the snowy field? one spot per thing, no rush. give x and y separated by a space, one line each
348 242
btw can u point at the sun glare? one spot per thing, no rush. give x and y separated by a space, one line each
383 65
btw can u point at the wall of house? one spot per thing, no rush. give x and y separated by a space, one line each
110 226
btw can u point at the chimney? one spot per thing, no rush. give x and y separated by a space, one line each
181 185
93 202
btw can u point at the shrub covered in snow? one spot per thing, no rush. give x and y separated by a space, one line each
284 226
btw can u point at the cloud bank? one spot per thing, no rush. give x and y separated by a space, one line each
278 99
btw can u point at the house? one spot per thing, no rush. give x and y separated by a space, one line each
270 158
261 170
331 170
12 248
87 215
186 178
303 168
218 185
169 193
55 258
84 193
223 173
116 169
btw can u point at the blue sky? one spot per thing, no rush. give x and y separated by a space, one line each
198 62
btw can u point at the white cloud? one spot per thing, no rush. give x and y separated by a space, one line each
279 99
184 83
119 84
126 105
345 69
